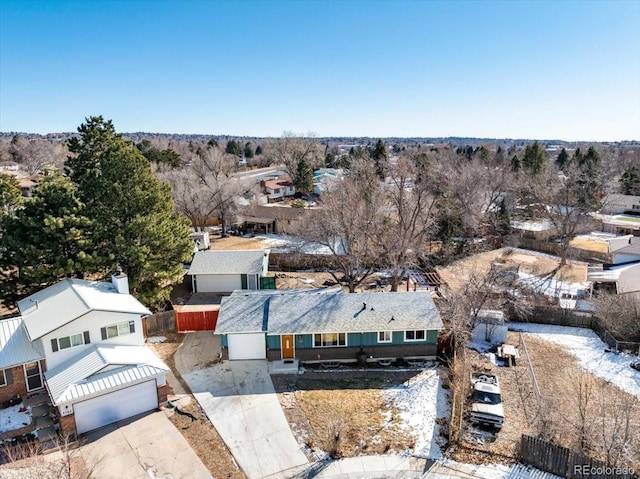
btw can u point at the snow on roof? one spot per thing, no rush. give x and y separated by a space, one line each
228 262
61 303
326 310
101 368
533 225
15 346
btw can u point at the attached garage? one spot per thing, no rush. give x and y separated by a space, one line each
247 346
109 408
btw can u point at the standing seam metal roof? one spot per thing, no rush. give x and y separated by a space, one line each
15 346
61 303
88 373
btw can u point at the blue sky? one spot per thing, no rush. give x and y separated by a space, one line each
550 70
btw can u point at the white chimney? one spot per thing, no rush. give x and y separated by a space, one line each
120 282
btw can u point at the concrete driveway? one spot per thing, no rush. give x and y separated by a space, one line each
145 446
239 399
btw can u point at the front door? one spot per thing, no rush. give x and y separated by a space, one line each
286 341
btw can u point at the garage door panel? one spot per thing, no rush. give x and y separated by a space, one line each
247 346
108 408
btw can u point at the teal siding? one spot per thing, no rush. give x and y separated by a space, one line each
304 341
225 343
361 339
273 342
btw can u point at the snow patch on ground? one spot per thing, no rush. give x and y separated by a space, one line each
591 353
421 401
447 469
156 339
287 244
11 418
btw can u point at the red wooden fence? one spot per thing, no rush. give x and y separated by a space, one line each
196 320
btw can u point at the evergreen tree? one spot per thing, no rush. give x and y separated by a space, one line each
503 224
10 195
380 158
248 150
589 180
516 164
630 181
534 158
233 148
259 150
133 213
304 178
48 239
563 159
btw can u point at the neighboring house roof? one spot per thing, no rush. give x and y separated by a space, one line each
15 346
275 184
101 368
633 248
57 305
228 262
326 310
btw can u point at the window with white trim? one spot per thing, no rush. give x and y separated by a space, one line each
327 340
3 378
384 336
415 335
118 329
66 342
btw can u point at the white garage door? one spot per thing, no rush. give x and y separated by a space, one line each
97 412
224 283
247 346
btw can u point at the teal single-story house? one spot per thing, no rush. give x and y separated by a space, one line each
328 325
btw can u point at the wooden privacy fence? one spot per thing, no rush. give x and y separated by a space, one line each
156 323
567 463
196 320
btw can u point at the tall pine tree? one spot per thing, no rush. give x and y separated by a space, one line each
135 222
47 240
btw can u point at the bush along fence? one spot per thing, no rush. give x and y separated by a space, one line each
156 323
564 462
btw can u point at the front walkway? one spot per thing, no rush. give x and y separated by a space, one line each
239 399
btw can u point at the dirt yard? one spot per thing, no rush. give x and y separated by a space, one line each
235 243
557 415
344 413
457 275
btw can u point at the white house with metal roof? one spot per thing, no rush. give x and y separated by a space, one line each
82 342
226 271
328 325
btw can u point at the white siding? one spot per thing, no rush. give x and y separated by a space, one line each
108 408
217 283
247 346
91 322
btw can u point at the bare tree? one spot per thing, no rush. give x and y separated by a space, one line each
207 187
292 149
347 224
620 315
407 221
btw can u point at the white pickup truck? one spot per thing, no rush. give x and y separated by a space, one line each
486 401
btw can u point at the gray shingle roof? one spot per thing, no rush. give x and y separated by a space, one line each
228 262
15 347
324 310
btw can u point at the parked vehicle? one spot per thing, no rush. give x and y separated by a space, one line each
635 365
486 401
